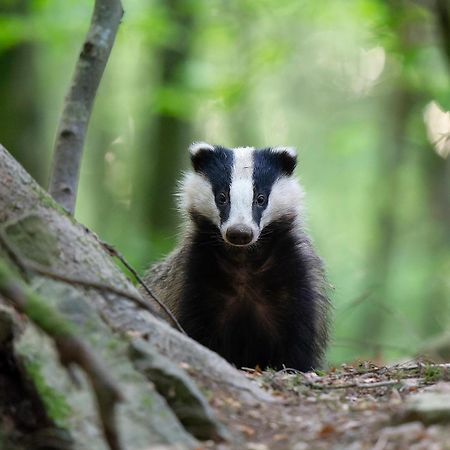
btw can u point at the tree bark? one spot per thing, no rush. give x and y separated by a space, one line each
79 102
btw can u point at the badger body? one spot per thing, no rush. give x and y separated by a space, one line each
245 280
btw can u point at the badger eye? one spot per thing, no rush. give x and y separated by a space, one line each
222 198
261 200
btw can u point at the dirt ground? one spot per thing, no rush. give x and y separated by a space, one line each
353 407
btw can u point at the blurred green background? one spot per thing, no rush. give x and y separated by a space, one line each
345 81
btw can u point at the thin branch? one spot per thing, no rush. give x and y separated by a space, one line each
322 386
78 104
90 284
72 351
375 385
26 266
113 252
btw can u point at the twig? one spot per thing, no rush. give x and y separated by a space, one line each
351 305
375 385
419 366
113 252
71 349
27 266
78 105
288 370
89 284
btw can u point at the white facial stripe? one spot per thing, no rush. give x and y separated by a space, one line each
196 194
285 199
241 189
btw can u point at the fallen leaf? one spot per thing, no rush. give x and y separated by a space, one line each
249 431
326 430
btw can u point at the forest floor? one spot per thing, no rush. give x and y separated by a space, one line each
353 407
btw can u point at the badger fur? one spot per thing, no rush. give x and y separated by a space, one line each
245 280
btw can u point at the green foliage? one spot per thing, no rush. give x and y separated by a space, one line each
344 81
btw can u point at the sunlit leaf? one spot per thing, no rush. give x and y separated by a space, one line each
437 122
369 68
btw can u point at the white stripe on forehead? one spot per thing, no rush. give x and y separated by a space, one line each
243 163
241 189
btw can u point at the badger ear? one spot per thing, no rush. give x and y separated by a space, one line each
287 157
200 153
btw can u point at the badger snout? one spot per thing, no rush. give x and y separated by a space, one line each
239 234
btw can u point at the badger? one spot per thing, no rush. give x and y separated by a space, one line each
245 281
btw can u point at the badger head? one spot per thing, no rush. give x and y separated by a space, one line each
241 190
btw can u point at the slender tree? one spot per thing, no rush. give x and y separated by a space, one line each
80 100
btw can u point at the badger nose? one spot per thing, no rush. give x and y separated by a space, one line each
239 234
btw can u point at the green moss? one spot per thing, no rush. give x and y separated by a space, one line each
5 275
113 345
432 374
295 381
55 403
399 374
48 202
31 237
208 394
45 317
147 401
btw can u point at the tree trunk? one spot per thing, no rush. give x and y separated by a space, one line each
436 176
166 143
390 158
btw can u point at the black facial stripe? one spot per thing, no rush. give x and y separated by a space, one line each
217 167
267 168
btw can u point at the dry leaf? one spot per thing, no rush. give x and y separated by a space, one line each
326 430
246 430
